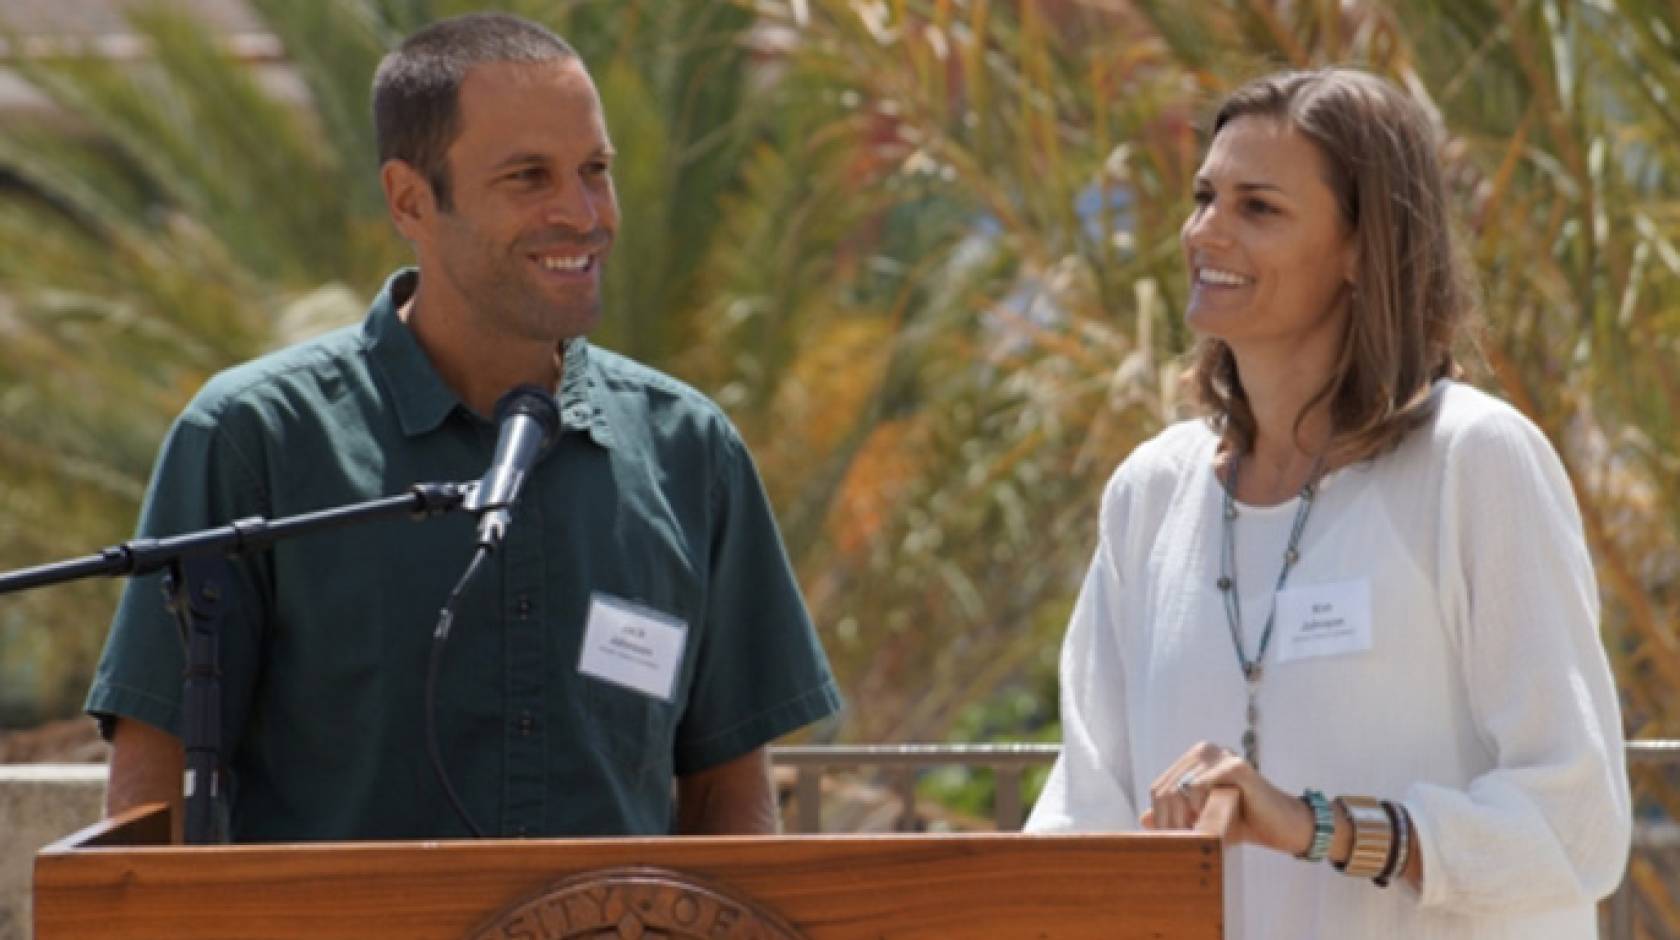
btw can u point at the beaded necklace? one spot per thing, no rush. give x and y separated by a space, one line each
1227 584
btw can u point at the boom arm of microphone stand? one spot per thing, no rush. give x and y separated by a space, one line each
146 555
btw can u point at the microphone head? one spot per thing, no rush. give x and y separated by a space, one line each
536 402
529 423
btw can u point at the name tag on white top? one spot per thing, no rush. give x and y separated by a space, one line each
1323 620
632 646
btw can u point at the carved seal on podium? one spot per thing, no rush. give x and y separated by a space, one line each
633 904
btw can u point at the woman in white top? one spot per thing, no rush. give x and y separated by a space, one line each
1359 592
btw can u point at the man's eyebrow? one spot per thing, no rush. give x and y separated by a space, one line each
517 159
526 158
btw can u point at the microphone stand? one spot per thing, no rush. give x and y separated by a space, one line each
199 590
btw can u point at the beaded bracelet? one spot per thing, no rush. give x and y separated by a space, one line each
1324 826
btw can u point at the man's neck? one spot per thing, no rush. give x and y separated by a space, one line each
478 365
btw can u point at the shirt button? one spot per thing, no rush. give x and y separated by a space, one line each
523 606
527 724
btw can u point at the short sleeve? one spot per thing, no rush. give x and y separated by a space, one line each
761 671
200 481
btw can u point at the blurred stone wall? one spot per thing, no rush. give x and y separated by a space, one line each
39 803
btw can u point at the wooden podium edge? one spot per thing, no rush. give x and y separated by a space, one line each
148 826
1221 816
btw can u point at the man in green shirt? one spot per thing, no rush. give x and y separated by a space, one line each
645 527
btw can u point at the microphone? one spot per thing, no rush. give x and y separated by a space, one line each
530 421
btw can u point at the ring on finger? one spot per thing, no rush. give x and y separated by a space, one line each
1185 782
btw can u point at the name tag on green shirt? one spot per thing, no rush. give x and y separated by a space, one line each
632 646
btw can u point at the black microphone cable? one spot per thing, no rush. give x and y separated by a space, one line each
530 421
440 636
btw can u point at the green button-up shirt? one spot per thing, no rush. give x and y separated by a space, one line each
648 496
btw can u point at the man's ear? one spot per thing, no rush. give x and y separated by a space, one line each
408 197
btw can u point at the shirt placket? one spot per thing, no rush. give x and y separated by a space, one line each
524 610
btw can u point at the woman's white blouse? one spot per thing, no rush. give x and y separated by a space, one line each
1484 701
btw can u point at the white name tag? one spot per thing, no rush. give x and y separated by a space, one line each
632 646
1324 620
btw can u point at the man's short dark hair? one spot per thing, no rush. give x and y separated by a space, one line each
416 91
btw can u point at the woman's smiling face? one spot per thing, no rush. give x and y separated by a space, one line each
1270 255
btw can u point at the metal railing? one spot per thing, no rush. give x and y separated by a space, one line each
1010 762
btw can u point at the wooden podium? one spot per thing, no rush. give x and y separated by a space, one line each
119 878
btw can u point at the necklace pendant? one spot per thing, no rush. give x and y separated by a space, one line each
1251 672
1251 735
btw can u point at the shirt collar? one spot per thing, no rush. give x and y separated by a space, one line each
579 396
418 393
421 398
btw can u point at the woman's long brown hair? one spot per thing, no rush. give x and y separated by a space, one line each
1412 295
